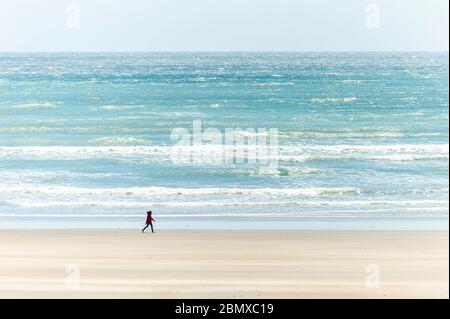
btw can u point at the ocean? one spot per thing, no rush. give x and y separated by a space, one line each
362 140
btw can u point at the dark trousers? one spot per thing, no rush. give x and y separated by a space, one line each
151 225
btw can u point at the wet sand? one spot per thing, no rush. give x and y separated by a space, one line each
223 264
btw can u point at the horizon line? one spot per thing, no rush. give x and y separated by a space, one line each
230 51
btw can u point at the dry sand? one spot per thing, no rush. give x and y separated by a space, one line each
223 264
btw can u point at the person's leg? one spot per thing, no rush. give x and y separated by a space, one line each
151 225
145 228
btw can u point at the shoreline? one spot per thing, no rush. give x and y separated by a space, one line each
223 264
219 223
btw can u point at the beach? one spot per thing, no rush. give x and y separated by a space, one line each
281 150
223 264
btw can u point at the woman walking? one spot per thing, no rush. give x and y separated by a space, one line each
149 221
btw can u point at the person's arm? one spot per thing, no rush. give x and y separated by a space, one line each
153 219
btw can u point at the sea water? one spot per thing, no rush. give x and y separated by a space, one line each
85 140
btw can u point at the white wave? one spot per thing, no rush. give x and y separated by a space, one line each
119 107
30 189
246 133
376 148
118 141
76 152
428 212
333 100
438 205
408 157
341 134
352 81
25 175
299 171
41 129
36 105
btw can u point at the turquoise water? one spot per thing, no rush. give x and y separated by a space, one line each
363 140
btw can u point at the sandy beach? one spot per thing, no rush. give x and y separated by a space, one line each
223 264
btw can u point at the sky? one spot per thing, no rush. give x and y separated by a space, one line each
224 25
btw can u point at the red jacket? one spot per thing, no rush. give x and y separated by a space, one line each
149 219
